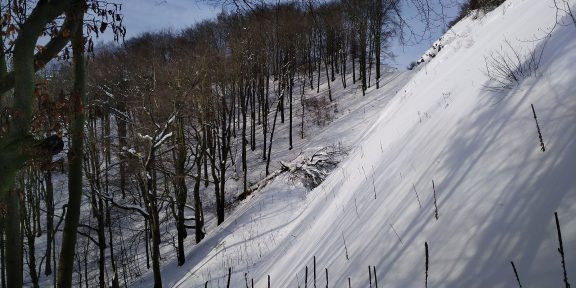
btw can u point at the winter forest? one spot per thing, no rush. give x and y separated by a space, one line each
140 162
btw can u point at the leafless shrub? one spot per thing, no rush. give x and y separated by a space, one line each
563 7
320 109
507 67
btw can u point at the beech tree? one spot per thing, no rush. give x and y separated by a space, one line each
25 22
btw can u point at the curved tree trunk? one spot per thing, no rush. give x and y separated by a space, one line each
16 147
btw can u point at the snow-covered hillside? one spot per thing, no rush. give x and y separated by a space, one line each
496 191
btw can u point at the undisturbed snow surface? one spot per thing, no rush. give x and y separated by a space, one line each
496 191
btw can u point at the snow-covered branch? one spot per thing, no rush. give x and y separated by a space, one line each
135 208
311 170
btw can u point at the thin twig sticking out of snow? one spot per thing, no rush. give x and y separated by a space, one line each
418 198
400 239
435 205
516 273
426 251
345 247
542 147
561 250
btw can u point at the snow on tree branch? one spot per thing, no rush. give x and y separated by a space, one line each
313 169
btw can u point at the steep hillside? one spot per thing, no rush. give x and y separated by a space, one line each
496 191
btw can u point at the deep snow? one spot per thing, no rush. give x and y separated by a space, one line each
496 191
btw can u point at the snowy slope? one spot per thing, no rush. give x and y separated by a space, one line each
250 232
496 191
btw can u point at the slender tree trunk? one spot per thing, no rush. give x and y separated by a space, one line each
150 196
49 202
309 54
377 47
282 85
206 179
303 110
328 80
28 226
122 143
353 49
224 152
198 212
290 104
213 145
243 139
146 240
370 52
181 190
362 47
101 243
266 112
115 280
332 69
67 252
253 117
155 229
2 254
271 138
319 64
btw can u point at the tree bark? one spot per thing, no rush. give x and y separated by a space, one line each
13 240
49 200
75 183
198 212
181 190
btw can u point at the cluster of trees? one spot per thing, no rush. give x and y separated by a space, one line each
156 125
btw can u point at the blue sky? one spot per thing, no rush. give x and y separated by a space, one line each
155 15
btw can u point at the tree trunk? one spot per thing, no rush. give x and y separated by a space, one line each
27 206
101 244
115 280
122 143
153 217
243 139
253 116
327 79
303 109
291 90
67 252
378 39
181 190
3 73
353 49
224 152
49 202
363 40
13 240
377 48
2 254
155 230
15 146
198 213
271 138
266 112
